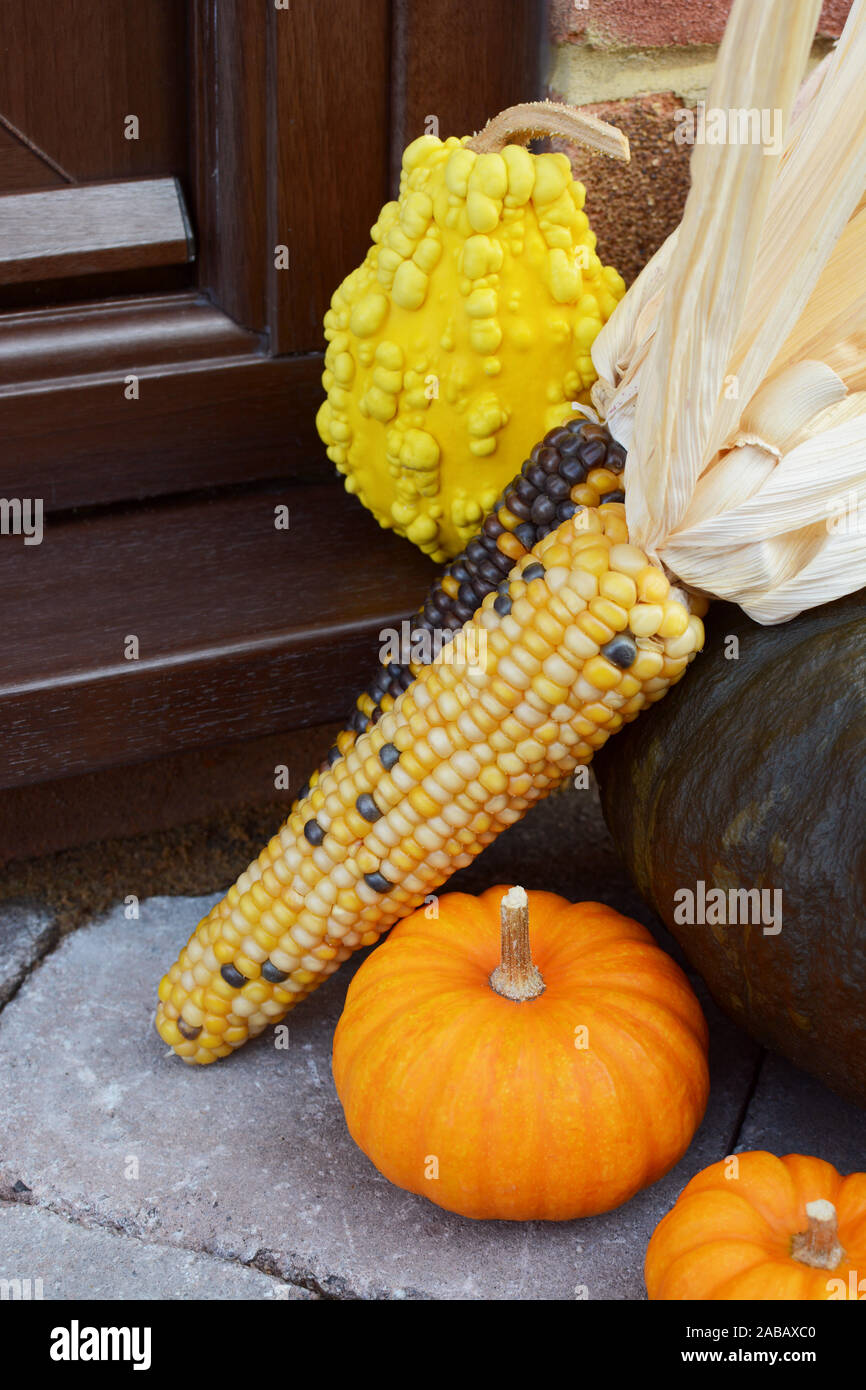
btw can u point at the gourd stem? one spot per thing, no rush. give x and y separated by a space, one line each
516 977
818 1245
518 124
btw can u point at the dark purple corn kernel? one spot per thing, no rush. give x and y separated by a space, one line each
556 437
366 807
570 445
527 536
615 457
573 470
272 974
475 551
534 571
489 573
233 977
621 650
524 489
558 488
520 509
502 604
378 882
313 832
543 511
617 496
593 453
187 1030
388 756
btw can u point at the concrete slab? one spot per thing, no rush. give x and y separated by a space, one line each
791 1112
250 1161
44 1257
27 931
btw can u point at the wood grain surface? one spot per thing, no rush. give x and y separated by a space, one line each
93 228
242 629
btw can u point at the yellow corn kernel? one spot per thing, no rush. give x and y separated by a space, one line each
610 613
652 586
549 691
602 480
689 641
602 673
493 779
644 619
628 559
675 621
423 804
594 628
647 664
615 525
595 560
618 587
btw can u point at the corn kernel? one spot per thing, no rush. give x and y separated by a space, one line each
619 588
644 619
610 613
549 691
594 628
675 621
652 586
647 664
595 560
602 673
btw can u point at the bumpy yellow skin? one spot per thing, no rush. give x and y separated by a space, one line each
463 337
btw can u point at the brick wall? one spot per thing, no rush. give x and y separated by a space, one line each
635 63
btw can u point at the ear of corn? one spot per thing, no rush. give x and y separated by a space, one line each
575 466
580 637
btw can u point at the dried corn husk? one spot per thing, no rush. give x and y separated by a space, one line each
734 370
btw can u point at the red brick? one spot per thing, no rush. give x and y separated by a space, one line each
660 23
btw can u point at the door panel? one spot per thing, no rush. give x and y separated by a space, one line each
72 71
150 409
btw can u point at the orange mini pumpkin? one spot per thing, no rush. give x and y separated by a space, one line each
758 1227
528 1091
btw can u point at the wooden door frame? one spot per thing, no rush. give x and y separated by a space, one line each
230 371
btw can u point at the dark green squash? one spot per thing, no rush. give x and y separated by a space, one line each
752 774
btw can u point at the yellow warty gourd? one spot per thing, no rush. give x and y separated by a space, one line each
465 334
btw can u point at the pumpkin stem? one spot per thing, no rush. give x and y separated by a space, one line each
818 1245
518 124
516 977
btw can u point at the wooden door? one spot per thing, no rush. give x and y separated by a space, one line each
182 186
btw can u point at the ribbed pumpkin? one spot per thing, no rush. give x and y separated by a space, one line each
755 778
755 1226
463 1083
